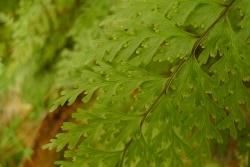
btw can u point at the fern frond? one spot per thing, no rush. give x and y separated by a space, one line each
168 81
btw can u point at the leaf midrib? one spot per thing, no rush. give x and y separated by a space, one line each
169 81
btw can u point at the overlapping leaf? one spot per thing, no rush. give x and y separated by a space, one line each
169 77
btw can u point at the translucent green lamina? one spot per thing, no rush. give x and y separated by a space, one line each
170 77
168 81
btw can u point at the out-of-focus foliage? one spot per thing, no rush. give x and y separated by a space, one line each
35 37
11 148
171 78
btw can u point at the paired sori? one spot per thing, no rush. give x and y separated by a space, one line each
167 80
170 78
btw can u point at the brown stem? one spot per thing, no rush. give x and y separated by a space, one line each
50 126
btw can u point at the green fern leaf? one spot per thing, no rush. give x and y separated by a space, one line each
169 79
